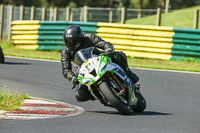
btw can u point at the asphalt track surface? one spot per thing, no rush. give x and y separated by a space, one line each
173 102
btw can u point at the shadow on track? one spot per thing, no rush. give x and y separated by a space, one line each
16 63
135 113
152 113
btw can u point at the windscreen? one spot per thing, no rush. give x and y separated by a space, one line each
83 55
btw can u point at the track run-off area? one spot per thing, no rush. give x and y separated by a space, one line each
172 101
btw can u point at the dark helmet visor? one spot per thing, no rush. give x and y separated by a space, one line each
69 44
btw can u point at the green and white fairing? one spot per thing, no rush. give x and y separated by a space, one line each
94 68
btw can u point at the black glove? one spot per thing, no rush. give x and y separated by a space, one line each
108 51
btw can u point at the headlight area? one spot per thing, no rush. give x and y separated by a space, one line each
86 81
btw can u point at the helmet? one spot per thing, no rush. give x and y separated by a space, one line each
72 36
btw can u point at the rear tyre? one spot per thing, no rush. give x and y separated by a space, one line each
114 100
2 59
141 104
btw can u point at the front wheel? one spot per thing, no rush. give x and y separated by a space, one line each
114 100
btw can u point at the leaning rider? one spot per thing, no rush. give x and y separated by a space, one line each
76 40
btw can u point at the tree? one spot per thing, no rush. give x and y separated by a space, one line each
92 3
177 4
174 4
125 3
58 3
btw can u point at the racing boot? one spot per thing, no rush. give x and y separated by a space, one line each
132 75
134 79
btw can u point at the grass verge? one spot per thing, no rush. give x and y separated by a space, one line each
10 101
10 50
182 18
164 64
188 65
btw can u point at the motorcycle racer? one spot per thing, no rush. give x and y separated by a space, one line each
75 40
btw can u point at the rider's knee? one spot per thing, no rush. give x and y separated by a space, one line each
82 94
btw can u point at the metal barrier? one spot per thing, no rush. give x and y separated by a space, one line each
166 43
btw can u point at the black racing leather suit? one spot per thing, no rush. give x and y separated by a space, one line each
88 40
91 40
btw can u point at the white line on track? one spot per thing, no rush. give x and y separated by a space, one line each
148 69
162 70
31 59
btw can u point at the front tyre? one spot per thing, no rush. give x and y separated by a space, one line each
114 100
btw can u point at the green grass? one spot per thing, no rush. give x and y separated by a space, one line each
10 101
180 18
187 65
10 50
164 64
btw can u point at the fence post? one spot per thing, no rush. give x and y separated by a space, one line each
51 14
123 15
81 14
1 20
196 19
43 13
32 13
110 15
139 13
166 6
55 15
85 14
158 19
68 12
10 20
71 16
21 14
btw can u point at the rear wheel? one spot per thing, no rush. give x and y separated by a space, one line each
114 100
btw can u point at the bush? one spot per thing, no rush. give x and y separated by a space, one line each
2 59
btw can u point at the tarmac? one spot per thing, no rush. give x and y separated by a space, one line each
38 108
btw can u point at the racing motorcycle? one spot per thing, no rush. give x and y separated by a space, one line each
108 82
